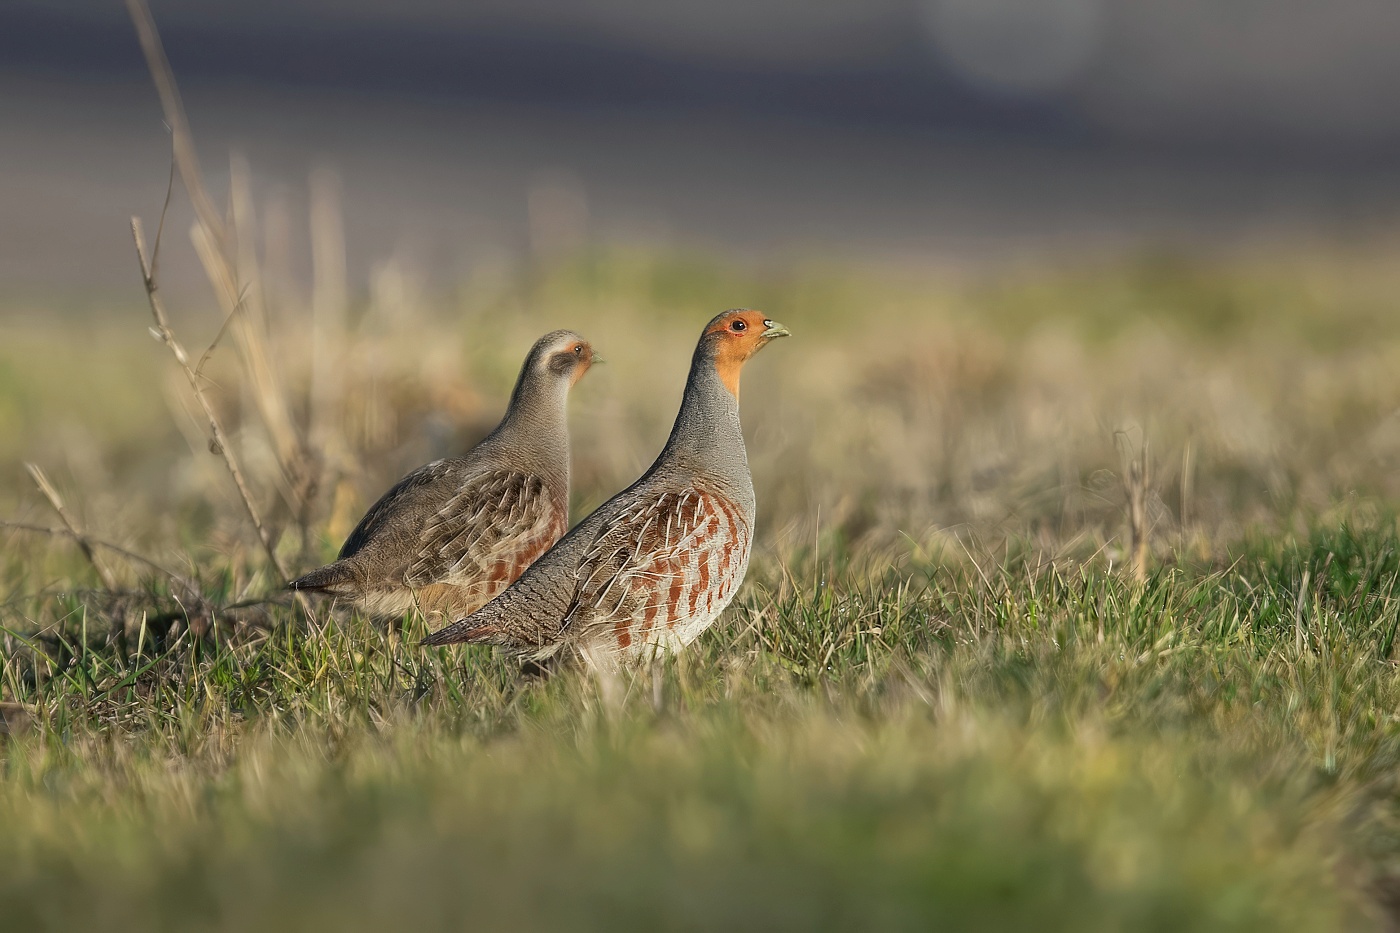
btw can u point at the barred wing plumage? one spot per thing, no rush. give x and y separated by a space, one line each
487 533
659 573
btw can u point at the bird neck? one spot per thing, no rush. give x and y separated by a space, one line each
707 436
536 425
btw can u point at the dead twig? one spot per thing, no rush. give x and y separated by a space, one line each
184 582
185 161
227 259
1137 479
218 439
186 158
84 543
223 329
230 266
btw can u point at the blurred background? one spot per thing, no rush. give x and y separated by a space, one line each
1003 230
921 131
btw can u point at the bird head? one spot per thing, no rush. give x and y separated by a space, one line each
563 354
734 336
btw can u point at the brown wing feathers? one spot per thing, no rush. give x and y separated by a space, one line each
479 526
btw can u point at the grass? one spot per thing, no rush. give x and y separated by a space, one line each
1056 749
938 702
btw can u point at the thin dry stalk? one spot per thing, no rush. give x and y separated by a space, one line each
329 327
220 255
185 583
1299 632
1137 479
1187 484
186 159
328 302
84 543
218 442
235 285
235 276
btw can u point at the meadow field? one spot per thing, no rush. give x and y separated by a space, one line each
946 697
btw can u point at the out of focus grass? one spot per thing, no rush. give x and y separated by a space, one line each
938 701
1046 748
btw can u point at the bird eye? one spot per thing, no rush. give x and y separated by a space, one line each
738 327
578 350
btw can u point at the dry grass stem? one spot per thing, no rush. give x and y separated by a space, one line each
229 262
186 158
1137 479
84 543
1187 482
218 438
190 587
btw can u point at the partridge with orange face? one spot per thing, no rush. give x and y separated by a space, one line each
657 564
453 534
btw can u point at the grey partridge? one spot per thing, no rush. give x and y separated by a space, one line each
452 534
655 565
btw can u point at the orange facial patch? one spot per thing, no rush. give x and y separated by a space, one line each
728 362
585 361
732 347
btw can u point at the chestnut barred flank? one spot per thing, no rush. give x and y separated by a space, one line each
662 572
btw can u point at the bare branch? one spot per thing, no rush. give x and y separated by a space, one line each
248 328
184 582
223 329
84 544
164 211
217 438
213 237
186 158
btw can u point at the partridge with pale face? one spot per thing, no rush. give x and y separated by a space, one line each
454 533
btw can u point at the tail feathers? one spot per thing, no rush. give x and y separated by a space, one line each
337 579
470 629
